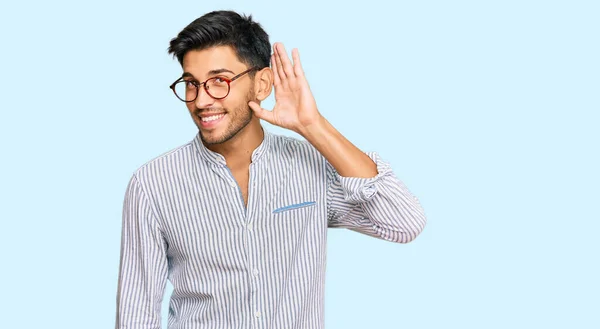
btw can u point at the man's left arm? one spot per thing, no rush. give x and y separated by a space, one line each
363 193
366 196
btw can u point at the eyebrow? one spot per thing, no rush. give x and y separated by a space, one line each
211 72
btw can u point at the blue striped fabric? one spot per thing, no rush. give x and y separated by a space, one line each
232 266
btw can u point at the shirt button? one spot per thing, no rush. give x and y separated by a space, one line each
257 314
249 226
255 272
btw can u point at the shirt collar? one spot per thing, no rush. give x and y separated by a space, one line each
215 158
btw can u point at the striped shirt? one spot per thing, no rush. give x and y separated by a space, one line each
237 266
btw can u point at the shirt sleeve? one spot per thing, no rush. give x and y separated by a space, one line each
381 206
143 263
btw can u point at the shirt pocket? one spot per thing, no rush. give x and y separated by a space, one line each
294 206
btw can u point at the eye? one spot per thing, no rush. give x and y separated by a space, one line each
191 83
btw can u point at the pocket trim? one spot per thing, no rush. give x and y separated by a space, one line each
294 206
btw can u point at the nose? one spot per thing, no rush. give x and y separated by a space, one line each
204 99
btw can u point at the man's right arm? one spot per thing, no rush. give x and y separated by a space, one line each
143 263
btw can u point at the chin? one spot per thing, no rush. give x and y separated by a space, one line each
215 137
211 138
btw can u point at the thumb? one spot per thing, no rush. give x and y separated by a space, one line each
260 112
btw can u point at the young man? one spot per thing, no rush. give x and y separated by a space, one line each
237 218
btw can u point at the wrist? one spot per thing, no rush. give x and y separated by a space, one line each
316 131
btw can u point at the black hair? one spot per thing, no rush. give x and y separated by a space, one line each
225 28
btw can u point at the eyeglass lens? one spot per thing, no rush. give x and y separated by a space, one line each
187 90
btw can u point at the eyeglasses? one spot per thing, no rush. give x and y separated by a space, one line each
215 87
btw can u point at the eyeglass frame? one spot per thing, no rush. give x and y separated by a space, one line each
203 84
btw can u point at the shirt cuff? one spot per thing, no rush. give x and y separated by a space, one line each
360 190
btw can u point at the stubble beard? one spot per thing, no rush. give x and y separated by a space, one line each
238 122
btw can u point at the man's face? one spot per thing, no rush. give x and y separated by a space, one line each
218 120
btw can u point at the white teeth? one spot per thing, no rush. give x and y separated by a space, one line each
212 118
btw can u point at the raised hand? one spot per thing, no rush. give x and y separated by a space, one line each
295 107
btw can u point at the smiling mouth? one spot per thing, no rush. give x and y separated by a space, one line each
212 117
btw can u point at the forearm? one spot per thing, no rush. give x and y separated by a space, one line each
347 159
387 208
397 214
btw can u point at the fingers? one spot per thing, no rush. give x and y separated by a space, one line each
281 55
279 66
276 78
297 66
283 69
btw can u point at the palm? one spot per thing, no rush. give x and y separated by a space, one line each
291 104
295 107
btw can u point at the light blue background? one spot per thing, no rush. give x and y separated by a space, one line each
487 110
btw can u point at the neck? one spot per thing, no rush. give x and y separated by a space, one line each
238 150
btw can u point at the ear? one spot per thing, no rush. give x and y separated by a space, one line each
263 83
